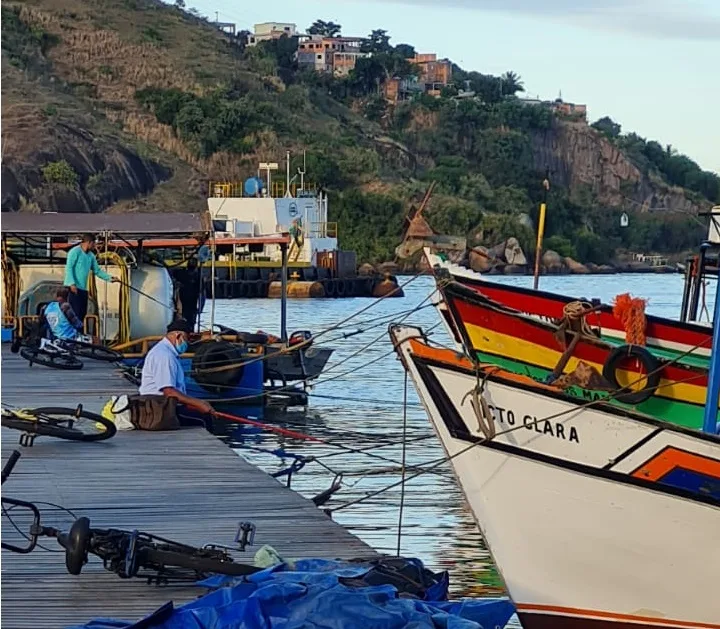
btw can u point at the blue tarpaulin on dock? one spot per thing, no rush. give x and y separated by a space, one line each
316 594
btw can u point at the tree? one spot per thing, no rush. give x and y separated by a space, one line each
377 41
510 82
326 29
607 126
180 4
406 51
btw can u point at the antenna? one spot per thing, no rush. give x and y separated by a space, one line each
302 174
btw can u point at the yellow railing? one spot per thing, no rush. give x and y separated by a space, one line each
325 230
234 189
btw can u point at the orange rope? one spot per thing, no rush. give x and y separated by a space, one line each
631 312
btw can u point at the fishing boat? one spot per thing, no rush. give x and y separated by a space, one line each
498 335
596 516
665 337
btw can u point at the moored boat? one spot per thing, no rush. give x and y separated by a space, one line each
673 390
665 337
595 516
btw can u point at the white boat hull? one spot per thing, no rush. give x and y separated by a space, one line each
580 535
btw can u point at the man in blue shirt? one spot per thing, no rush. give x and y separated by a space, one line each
60 316
162 372
80 261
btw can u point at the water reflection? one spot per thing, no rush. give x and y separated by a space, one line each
358 401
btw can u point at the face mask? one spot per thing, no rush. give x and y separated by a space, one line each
182 347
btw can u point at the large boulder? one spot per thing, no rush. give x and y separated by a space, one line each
576 267
551 258
513 253
515 269
388 267
366 269
480 260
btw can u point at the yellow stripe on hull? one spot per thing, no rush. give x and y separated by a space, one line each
522 350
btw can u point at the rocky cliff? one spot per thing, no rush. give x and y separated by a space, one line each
583 160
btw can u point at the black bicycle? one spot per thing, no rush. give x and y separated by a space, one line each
63 423
131 553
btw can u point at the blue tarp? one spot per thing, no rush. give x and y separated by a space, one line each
310 596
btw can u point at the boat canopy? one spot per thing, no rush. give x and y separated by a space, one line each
131 224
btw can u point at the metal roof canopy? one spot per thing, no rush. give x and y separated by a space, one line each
71 224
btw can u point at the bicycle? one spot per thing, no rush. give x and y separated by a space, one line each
131 554
62 423
61 353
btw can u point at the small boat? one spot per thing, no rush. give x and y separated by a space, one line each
499 335
597 517
666 338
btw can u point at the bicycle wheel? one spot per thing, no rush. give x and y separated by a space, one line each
63 423
191 559
55 360
92 351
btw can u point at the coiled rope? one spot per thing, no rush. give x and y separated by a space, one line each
114 258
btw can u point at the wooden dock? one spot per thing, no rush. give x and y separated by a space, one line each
186 485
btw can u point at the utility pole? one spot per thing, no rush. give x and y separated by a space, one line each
541 229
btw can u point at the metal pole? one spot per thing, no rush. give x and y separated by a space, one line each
105 313
287 175
212 278
699 279
541 231
283 300
713 388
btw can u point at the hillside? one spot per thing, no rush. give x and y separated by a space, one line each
133 104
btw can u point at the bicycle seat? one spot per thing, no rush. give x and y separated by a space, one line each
76 545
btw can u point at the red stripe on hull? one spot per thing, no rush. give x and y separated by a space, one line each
551 305
541 334
552 621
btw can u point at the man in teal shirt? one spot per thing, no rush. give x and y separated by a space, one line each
80 261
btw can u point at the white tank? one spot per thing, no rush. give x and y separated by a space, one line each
147 317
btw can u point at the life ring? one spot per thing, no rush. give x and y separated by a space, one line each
649 363
212 354
330 288
341 288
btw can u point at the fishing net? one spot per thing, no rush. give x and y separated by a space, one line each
584 376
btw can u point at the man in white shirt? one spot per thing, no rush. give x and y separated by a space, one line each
162 372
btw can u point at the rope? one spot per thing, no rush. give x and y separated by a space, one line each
574 313
631 312
11 286
123 335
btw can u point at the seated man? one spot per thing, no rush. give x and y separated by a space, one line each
61 318
162 393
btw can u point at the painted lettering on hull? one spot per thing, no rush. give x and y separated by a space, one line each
506 417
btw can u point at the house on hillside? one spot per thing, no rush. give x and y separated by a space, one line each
267 31
434 75
334 55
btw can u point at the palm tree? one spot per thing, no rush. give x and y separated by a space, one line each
511 83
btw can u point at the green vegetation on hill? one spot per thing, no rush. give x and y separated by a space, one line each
202 102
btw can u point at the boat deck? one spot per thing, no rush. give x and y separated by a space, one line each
186 485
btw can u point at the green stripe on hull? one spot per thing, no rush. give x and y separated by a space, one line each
678 413
703 362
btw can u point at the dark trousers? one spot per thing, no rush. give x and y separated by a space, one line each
79 303
189 311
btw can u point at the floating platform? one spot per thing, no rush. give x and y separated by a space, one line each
185 485
369 286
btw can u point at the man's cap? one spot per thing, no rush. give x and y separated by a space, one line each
180 325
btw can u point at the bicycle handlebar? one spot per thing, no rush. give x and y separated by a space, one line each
8 467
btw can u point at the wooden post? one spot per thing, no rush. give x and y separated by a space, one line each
541 230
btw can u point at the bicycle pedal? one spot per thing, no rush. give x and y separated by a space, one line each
245 535
27 440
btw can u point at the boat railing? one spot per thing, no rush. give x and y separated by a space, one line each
325 229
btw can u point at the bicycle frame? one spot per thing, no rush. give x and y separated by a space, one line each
35 529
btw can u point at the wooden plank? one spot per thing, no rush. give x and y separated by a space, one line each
186 485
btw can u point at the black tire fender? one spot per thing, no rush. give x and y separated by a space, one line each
649 362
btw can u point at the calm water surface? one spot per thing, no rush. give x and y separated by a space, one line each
359 400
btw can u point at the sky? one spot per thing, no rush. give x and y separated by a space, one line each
651 65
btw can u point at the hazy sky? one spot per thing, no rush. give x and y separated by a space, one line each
652 65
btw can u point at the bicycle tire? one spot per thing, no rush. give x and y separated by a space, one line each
206 565
53 360
48 426
93 352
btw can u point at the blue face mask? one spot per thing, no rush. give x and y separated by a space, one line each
182 348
